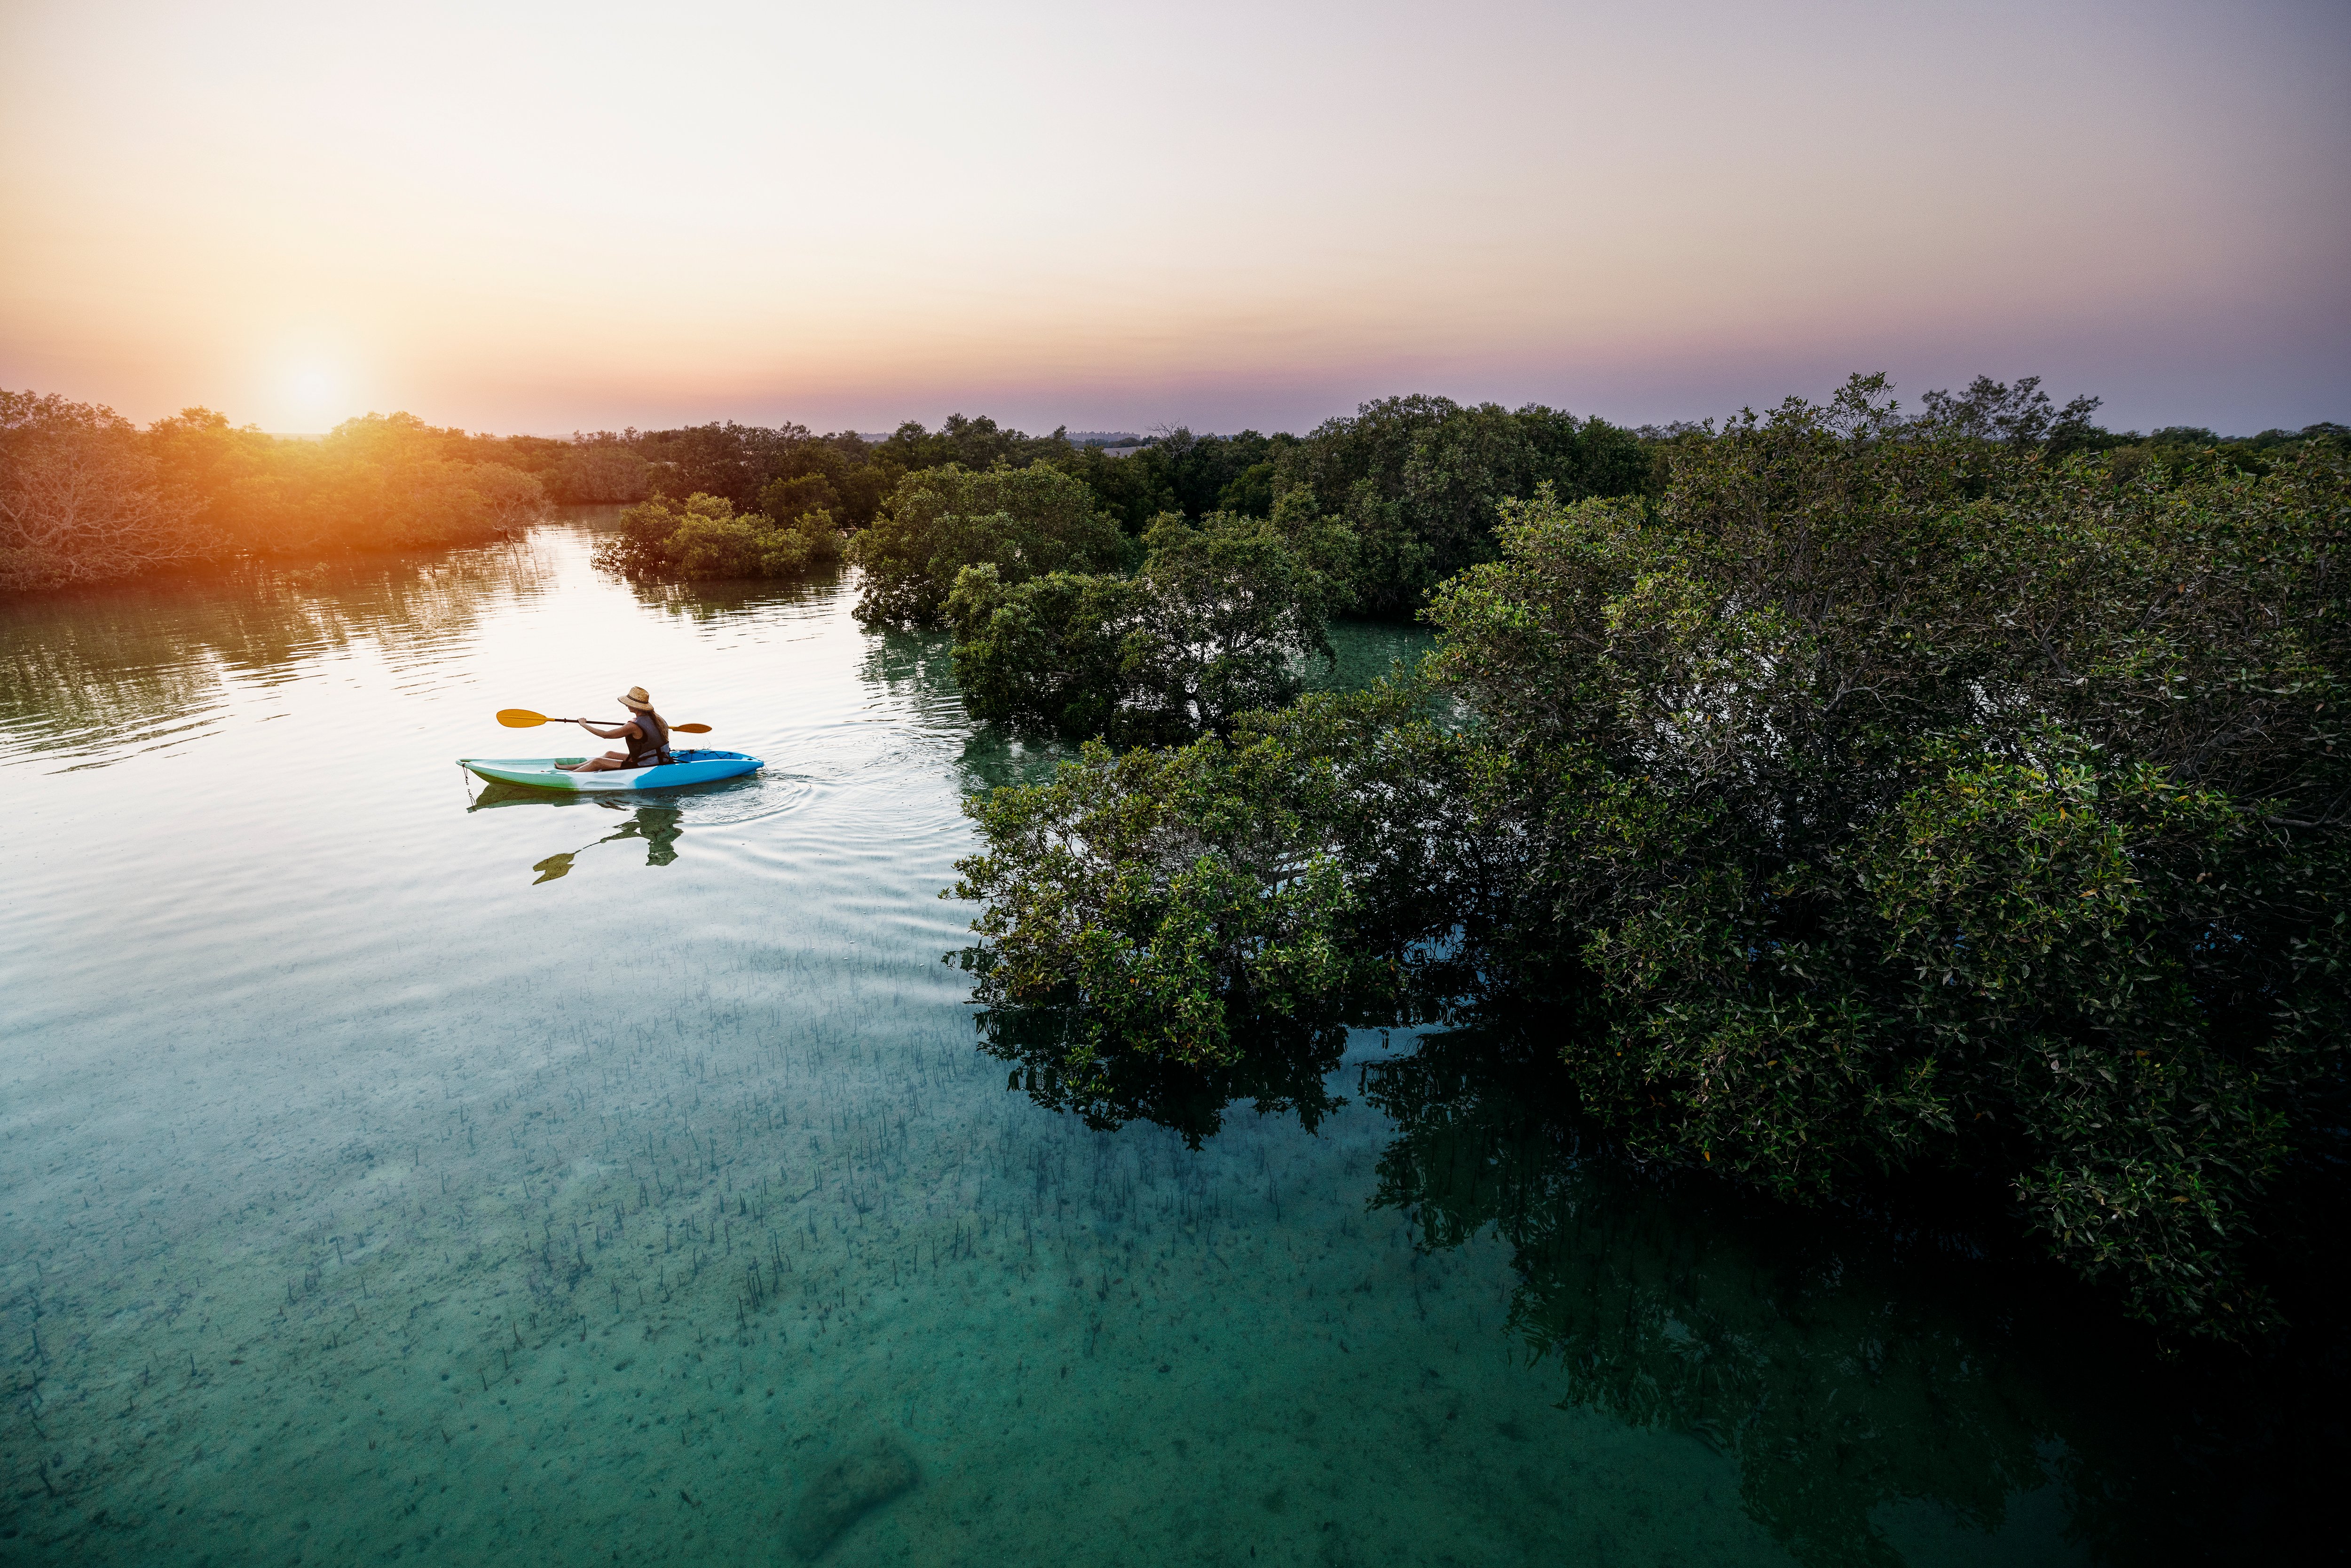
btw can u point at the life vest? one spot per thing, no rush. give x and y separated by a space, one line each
651 749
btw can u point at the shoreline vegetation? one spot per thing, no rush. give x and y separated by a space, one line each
1958 795
1840 793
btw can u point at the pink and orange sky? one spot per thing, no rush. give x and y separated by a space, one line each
542 217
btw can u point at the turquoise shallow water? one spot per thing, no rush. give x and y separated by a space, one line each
393 1169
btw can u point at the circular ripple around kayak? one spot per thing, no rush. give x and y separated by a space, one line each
752 799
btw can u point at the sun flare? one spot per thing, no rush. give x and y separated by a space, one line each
312 398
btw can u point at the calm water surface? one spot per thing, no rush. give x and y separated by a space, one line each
392 1169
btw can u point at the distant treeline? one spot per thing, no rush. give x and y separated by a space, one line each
85 496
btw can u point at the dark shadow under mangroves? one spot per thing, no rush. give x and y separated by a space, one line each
1887 1376
1282 1071
1836 1386
1857 1364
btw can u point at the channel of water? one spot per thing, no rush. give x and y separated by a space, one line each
396 1169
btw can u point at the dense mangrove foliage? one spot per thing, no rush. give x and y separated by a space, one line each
1023 521
84 495
701 537
1220 620
1416 480
1885 793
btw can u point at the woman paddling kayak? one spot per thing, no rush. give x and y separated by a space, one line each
647 734
647 763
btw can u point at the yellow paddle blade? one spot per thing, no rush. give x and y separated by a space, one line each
691 728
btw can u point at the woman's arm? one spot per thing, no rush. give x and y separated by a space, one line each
617 732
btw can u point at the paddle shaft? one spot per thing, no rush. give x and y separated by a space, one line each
673 729
523 718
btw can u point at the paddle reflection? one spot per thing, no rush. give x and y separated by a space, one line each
657 827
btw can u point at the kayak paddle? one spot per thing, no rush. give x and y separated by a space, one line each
523 718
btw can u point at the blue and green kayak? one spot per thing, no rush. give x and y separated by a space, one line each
541 773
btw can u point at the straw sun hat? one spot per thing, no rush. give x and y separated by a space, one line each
635 697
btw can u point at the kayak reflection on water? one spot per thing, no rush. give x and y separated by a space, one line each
659 827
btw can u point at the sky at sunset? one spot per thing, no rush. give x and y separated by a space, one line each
547 217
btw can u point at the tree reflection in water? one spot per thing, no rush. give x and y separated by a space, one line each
1283 1071
1861 1367
152 657
1783 1345
1879 1380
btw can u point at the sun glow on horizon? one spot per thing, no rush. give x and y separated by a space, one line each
312 402
520 220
